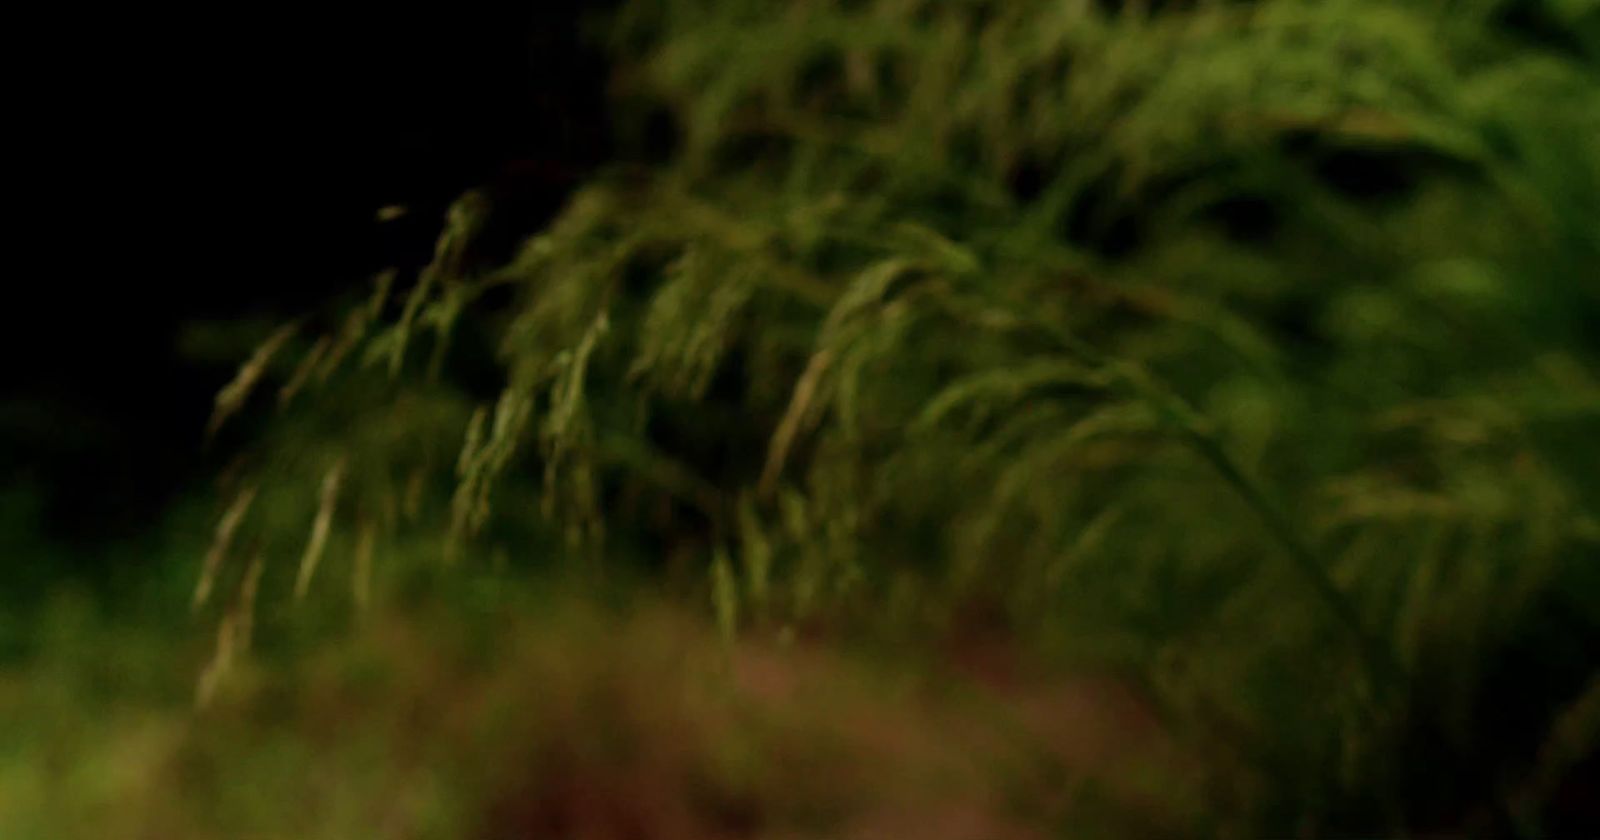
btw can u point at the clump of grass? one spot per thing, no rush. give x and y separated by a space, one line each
1246 347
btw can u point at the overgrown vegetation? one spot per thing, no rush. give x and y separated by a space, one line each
1245 350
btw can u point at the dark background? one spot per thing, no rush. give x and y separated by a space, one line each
195 165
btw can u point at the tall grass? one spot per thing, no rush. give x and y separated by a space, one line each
1248 347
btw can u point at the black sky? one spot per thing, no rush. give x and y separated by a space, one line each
220 164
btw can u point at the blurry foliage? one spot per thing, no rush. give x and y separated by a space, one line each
535 714
1251 347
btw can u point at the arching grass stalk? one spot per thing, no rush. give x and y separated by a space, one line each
1382 669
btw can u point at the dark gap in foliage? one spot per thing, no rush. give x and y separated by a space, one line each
640 275
741 442
947 206
1574 807
1139 8
1369 174
1544 666
1103 221
1247 219
1028 178
820 80
1384 174
665 531
497 300
678 430
1525 684
1120 237
473 364
648 133
1534 22
757 149
1297 320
